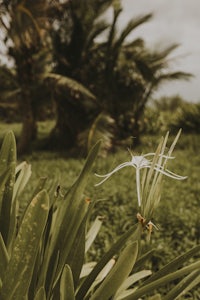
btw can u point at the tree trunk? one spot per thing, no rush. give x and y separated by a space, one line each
29 125
68 125
73 118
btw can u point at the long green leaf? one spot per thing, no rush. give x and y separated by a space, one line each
24 172
76 256
41 294
184 285
3 179
40 186
7 161
156 297
92 233
67 285
173 265
141 260
67 220
133 234
129 282
118 274
20 267
8 150
144 290
4 257
71 237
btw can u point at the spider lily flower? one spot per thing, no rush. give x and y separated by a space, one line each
142 162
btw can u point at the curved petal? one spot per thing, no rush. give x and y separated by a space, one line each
169 173
108 175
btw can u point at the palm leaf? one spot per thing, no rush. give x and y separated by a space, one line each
132 24
160 79
98 28
68 83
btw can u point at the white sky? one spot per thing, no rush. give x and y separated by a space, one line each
176 21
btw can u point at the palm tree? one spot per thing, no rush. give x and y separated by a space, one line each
27 26
132 73
74 31
24 26
154 66
79 54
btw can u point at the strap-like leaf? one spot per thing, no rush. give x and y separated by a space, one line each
144 290
4 257
67 220
173 265
67 285
7 161
41 294
118 274
184 285
20 267
133 234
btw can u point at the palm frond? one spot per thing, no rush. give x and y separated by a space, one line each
139 42
28 13
112 32
102 6
99 28
68 83
174 76
132 24
162 54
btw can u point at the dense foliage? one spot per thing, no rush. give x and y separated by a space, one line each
47 238
171 113
68 56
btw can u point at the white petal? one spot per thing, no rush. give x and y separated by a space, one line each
170 174
106 176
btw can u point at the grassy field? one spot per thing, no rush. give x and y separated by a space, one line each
177 217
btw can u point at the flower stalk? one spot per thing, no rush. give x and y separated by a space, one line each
153 168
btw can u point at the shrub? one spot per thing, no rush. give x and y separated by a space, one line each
42 252
187 117
171 114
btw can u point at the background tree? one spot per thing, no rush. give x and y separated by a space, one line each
95 62
25 29
74 31
122 73
154 67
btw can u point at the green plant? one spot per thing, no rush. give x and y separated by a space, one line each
187 117
42 251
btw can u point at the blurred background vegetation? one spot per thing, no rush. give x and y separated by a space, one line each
68 64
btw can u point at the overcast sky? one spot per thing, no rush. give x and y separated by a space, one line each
176 21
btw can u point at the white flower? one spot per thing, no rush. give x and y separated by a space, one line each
141 162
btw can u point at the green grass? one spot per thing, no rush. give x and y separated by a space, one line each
43 128
177 216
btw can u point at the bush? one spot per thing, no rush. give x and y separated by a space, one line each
171 114
42 251
188 118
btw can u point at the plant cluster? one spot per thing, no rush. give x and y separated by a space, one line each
171 114
42 250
